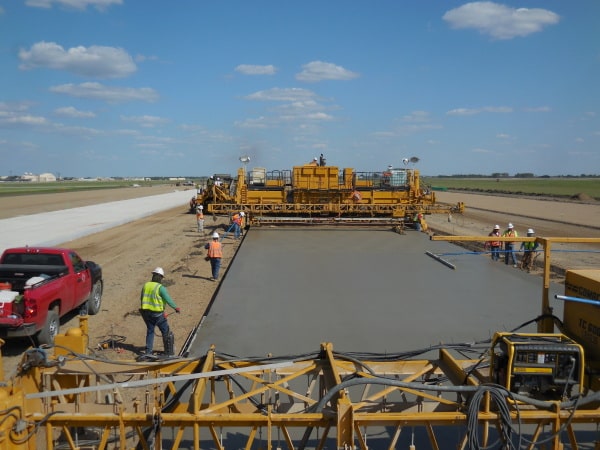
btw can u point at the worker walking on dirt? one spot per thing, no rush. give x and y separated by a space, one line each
153 298
495 245
214 255
200 218
509 249
528 249
237 224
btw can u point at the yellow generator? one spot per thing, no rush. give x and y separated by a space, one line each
324 194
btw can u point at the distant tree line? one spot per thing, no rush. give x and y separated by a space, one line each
516 175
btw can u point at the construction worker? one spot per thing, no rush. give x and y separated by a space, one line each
200 218
495 245
153 298
355 196
237 224
509 250
314 162
528 249
215 253
322 161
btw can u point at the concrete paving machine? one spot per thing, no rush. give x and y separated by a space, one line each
314 194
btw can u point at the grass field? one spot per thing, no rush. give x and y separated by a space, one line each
562 187
12 189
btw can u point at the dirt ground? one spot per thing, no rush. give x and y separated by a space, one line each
128 254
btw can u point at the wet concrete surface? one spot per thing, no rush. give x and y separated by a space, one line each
288 290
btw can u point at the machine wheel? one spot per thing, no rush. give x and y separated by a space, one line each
92 304
47 334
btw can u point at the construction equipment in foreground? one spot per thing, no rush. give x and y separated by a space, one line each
313 194
531 390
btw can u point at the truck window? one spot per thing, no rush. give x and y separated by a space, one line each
78 264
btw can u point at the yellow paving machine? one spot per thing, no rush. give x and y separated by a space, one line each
323 194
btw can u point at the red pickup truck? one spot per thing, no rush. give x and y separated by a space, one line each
39 285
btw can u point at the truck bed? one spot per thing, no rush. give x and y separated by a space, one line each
18 274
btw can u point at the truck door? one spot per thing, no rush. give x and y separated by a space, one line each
82 279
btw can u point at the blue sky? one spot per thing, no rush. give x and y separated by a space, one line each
156 88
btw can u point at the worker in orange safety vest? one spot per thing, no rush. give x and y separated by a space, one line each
214 255
238 220
495 245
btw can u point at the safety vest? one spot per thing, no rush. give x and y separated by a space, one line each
495 243
215 250
509 233
237 219
199 216
151 299
530 245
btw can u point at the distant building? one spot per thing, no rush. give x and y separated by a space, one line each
46 177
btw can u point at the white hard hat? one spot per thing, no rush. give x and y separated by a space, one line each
200 207
510 225
159 271
496 227
530 231
315 158
215 235
242 213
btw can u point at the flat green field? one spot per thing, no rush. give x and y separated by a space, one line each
12 189
560 187
582 188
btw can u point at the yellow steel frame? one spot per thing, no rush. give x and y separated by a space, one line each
318 191
318 401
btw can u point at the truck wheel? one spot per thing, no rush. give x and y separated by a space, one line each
47 334
92 305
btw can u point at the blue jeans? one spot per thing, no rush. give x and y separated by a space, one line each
495 253
154 319
509 253
215 265
236 230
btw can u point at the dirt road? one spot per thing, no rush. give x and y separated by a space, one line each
169 239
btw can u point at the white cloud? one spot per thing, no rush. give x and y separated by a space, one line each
28 120
503 136
75 4
281 95
473 111
500 21
257 123
416 116
70 111
95 61
109 94
248 69
481 150
145 121
319 70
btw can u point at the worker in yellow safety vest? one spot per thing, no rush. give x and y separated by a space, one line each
509 247
153 298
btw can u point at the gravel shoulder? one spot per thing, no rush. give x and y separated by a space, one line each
169 239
